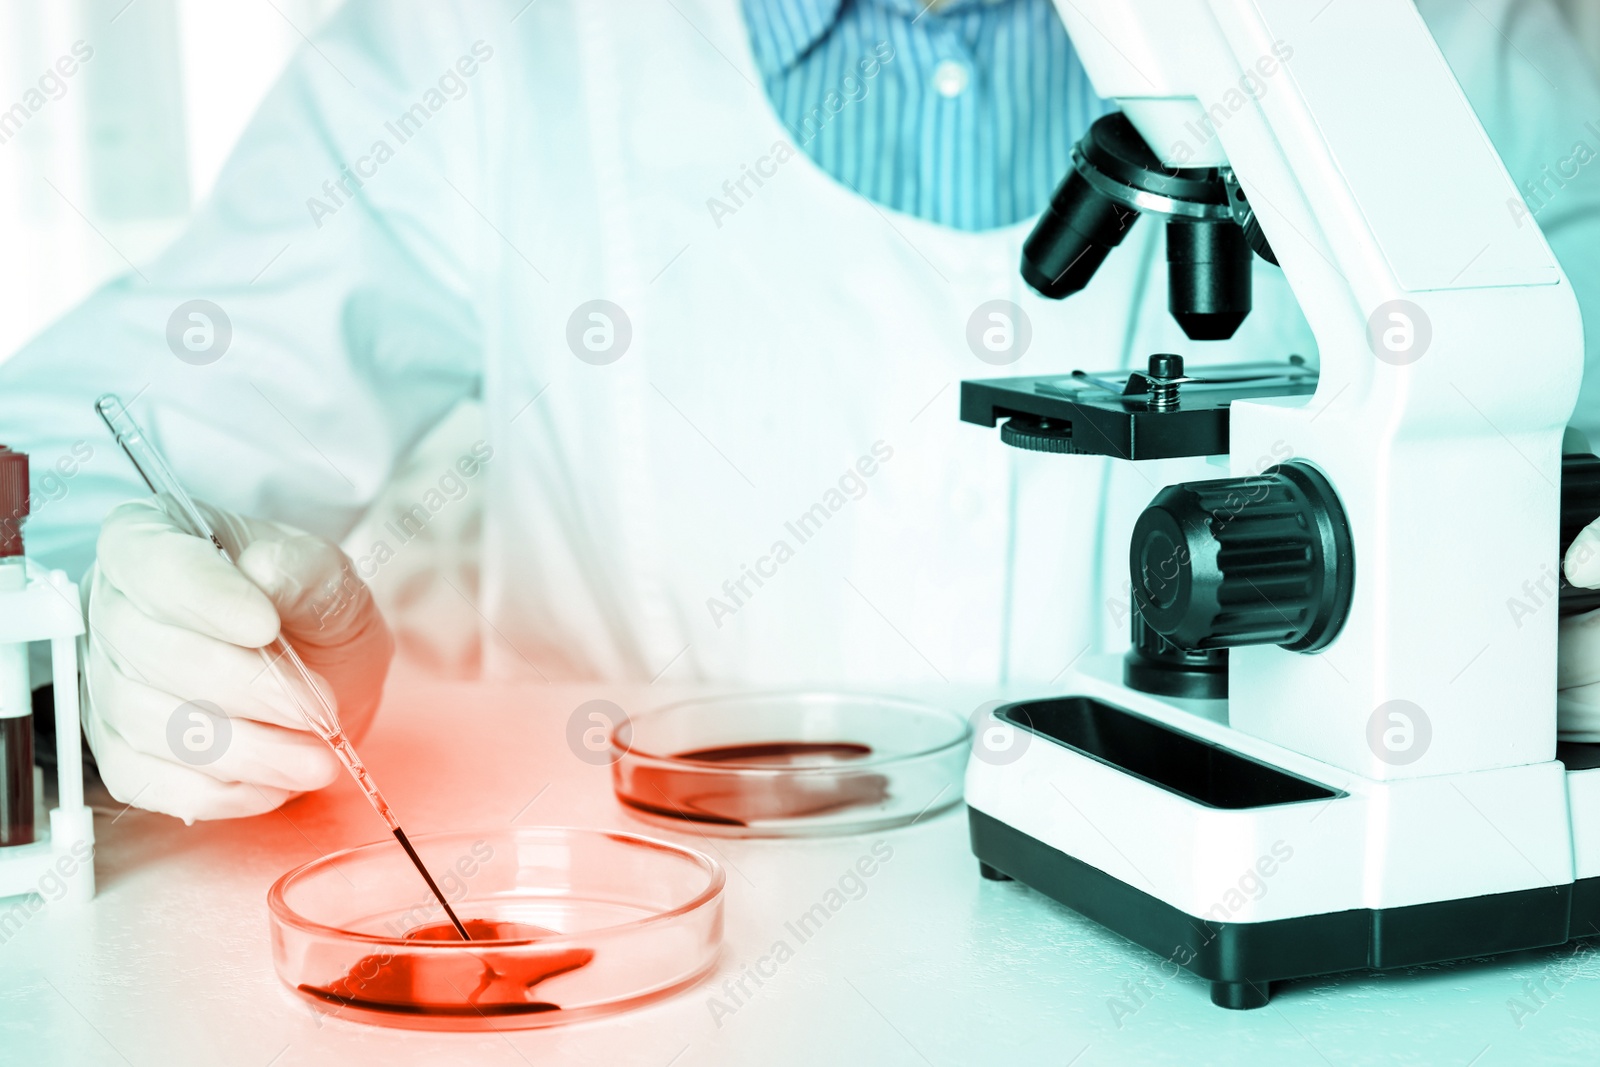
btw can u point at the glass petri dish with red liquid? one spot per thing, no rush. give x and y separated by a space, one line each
790 764
566 924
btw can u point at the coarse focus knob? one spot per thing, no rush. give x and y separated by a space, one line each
1245 561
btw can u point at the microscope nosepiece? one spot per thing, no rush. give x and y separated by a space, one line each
1115 177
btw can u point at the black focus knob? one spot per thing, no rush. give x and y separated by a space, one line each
1245 561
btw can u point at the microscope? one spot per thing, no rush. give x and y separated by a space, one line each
1332 745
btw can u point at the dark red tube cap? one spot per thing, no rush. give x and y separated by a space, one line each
13 500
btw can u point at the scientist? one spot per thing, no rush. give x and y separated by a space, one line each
714 270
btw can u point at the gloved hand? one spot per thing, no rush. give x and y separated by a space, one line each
1578 653
172 639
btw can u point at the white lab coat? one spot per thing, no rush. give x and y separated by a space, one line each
802 350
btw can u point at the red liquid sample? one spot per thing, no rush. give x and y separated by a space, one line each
16 780
479 930
780 753
482 980
731 801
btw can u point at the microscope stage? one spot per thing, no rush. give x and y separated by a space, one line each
1097 414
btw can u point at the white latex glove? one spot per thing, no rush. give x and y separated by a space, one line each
171 623
1578 656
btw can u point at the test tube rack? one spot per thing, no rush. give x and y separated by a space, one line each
49 609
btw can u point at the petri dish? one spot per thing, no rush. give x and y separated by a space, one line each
790 764
567 924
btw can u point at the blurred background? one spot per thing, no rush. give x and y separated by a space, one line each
101 168
128 143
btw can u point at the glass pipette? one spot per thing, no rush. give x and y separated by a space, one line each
279 656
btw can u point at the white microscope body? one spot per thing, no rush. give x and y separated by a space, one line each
1450 352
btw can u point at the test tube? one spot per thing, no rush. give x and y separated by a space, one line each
16 694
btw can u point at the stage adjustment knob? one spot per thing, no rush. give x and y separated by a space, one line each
1245 561
1037 434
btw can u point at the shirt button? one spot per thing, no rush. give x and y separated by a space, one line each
950 78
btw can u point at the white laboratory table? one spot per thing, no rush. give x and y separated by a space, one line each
171 964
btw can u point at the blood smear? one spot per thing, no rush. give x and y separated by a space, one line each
473 981
729 800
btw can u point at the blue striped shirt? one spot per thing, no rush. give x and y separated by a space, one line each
965 116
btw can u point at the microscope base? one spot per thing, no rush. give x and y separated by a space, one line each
1242 960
